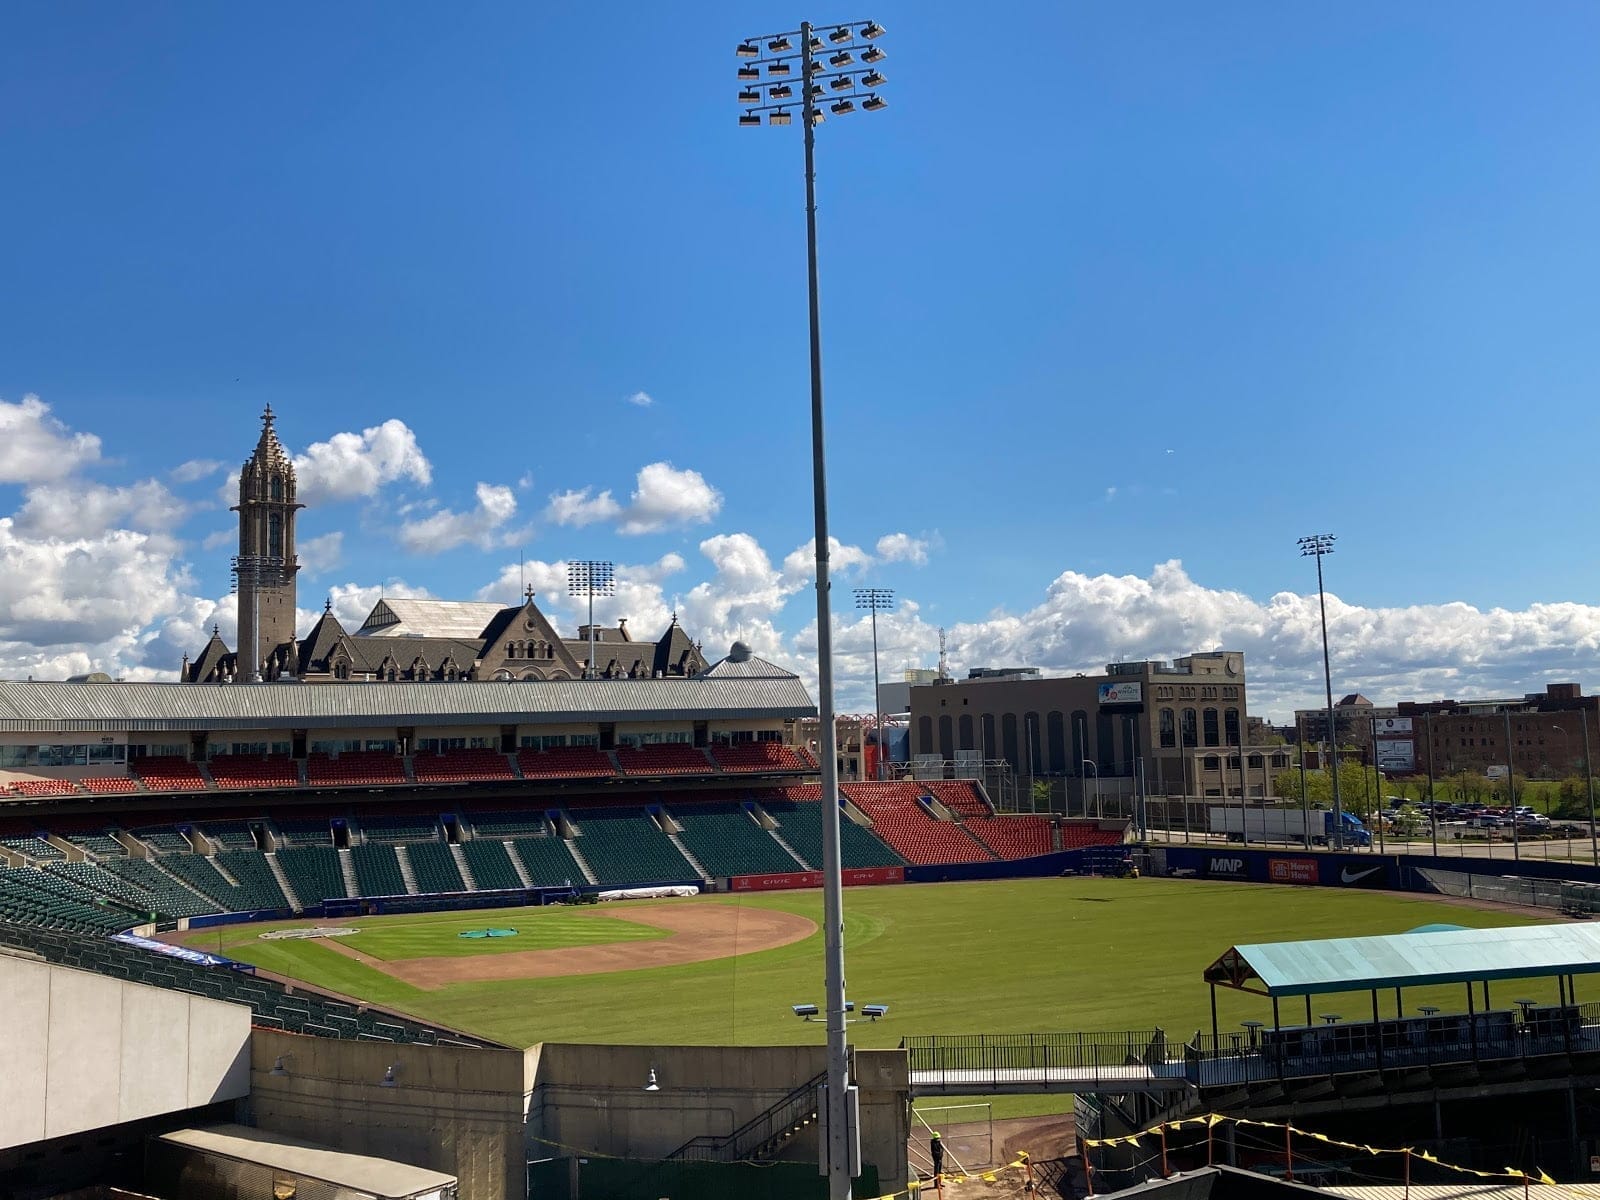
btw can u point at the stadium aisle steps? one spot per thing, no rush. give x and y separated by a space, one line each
313 873
434 868
624 846
727 841
377 869
548 862
800 823
491 866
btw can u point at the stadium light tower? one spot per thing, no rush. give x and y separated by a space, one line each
877 600
766 65
251 573
1316 546
590 577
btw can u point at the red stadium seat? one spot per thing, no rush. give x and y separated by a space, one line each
900 819
565 762
666 758
765 757
462 766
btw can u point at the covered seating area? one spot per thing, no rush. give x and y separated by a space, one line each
1479 961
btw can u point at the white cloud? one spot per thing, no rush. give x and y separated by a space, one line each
320 554
88 510
37 448
800 564
219 539
639 596
351 465
666 496
902 547
196 469
447 529
581 507
641 399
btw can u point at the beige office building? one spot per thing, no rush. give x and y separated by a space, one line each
1175 721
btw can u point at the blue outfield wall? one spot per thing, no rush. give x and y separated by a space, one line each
1394 872
1055 863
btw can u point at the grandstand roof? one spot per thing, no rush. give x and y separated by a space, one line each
45 707
1408 960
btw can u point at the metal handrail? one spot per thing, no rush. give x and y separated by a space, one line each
730 1147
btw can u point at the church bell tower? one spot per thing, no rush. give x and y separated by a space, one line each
265 567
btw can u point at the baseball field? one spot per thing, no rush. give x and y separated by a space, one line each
1019 955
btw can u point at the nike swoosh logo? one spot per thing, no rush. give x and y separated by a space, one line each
1348 876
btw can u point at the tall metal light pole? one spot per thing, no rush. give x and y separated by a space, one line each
877 600
1588 777
1316 546
768 62
251 573
591 577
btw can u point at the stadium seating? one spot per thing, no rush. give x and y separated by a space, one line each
399 827
271 1005
377 870
623 845
757 757
110 785
313 872
229 835
565 762
1011 837
258 887
434 868
503 825
163 838
35 897
727 841
363 768
172 898
463 766
36 789
960 796
304 831
35 848
236 771
168 773
900 819
1077 835
490 865
97 879
99 843
800 824
548 862
666 758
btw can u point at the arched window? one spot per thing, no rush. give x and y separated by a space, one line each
1169 729
1211 763
1033 748
275 488
1080 740
924 735
989 744
1056 736
1188 728
1008 740
1230 725
946 737
1210 719
964 733
1254 761
275 534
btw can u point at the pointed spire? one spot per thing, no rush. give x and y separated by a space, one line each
528 592
327 606
216 631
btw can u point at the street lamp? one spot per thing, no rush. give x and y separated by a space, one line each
877 600
1316 546
591 577
252 572
815 77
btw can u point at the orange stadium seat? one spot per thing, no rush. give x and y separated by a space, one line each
565 762
900 819
462 766
757 756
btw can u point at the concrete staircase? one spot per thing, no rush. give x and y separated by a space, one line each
699 868
583 863
460 857
790 850
283 882
518 865
347 870
403 857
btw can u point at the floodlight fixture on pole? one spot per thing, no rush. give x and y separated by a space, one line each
876 600
253 572
772 61
591 577
1315 546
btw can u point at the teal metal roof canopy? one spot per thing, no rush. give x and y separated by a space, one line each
1408 960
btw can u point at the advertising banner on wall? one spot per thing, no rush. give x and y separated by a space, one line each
1397 756
1388 726
1121 693
1292 870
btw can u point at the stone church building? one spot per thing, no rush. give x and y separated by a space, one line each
401 639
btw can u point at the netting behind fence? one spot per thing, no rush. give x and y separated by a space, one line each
1569 897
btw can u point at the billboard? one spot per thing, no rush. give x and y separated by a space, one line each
1121 693
1388 726
1292 870
1397 756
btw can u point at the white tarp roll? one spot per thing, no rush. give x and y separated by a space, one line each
650 893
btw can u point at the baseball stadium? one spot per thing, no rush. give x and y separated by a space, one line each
455 905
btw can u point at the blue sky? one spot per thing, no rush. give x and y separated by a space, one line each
1106 287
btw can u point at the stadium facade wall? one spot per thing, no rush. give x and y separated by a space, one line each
456 1109
84 1051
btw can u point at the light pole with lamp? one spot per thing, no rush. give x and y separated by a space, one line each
1588 778
1316 546
767 62
876 600
591 577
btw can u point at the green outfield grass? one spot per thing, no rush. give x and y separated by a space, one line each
1017 955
